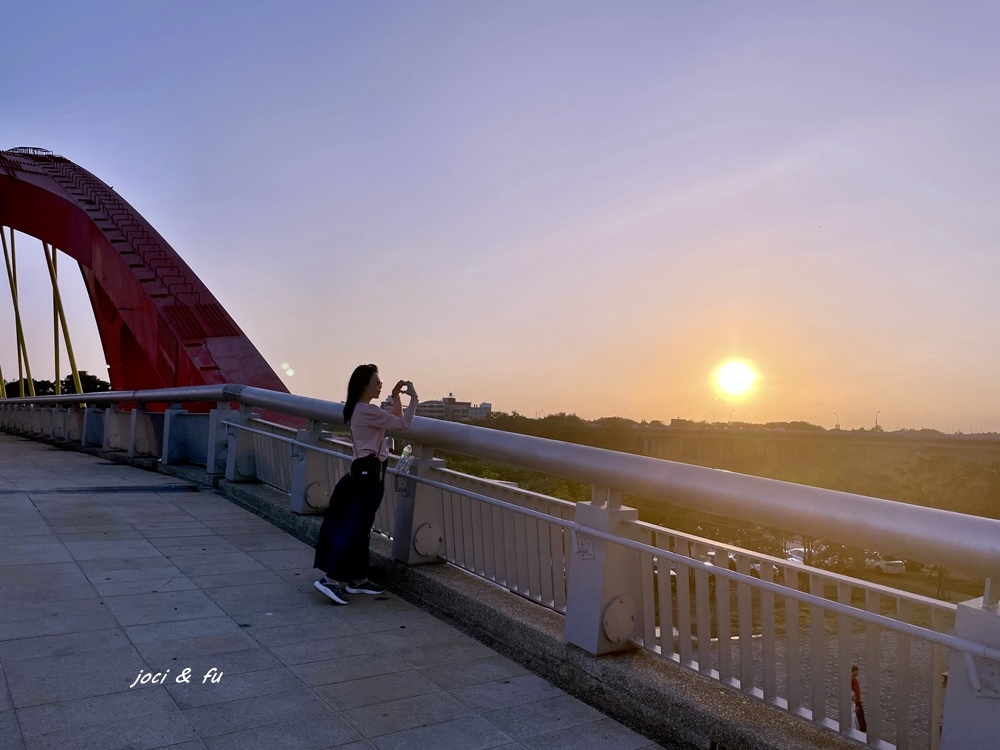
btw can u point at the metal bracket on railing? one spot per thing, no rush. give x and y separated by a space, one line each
991 592
583 547
404 485
297 453
984 676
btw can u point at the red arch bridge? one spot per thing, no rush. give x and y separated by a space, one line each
159 324
733 626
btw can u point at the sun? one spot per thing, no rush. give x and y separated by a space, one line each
735 378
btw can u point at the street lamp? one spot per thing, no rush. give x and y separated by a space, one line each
731 416
838 421
876 418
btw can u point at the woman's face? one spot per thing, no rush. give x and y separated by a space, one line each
373 389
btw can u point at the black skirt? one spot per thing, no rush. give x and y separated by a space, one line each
342 548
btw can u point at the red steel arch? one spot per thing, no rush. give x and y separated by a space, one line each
159 324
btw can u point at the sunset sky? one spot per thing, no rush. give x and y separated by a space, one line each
552 206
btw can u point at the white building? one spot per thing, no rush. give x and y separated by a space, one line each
452 410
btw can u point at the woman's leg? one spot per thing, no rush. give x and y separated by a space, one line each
333 541
335 533
370 499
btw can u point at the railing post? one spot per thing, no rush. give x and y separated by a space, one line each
45 422
74 424
604 604
36 421
92 433
971 715
60 422
241 462
176 444
310 486
217 449
142 434
418 526
112 439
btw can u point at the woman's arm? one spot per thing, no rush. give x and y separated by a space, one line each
397 405
376 417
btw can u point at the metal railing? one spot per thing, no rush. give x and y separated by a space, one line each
778 631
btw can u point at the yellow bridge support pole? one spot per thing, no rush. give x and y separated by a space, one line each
20 357
55 322
57 300
3 387
22 349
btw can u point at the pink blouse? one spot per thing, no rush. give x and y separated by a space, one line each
369 423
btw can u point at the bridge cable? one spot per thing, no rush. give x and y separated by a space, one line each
20 362
57 301
55 323
22 349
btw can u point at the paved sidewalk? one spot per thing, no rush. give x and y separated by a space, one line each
108 572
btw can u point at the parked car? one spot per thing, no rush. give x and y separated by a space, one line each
730 559
886 564
731 564
755 569
796 555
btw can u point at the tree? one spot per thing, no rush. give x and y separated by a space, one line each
42 387
90 384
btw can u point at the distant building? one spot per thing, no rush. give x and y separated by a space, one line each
452 410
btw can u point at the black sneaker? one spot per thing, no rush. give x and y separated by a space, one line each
365 587
332 590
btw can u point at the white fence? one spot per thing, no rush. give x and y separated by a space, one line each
776 630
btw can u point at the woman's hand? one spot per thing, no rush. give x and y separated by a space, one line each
398 387
410 390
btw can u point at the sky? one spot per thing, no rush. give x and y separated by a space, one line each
579 207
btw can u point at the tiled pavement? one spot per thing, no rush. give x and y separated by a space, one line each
107 571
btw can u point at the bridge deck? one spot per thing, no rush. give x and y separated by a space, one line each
108 571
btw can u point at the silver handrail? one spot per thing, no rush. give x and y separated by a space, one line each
952 540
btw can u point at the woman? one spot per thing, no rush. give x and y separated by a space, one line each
342 549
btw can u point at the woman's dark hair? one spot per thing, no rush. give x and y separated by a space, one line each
360 379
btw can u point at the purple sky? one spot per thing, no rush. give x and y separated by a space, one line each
580 207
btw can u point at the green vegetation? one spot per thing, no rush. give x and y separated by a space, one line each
922 467
961 477
90 383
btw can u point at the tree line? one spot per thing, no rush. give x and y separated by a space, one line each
964 478
90 384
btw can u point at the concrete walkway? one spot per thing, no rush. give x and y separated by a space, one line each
108 572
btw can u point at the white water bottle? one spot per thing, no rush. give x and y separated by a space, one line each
405 459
